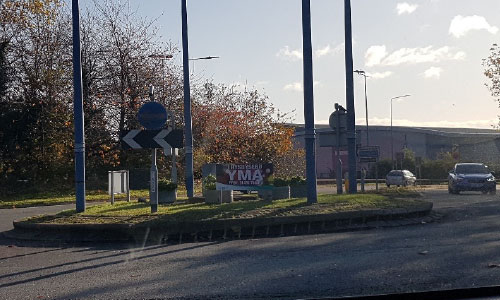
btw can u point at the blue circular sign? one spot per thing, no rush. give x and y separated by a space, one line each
152 115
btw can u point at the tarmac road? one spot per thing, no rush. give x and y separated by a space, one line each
461 250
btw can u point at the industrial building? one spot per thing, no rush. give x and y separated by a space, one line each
473 145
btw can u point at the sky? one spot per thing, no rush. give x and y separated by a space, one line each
430 49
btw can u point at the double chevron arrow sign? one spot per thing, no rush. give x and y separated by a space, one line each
150 139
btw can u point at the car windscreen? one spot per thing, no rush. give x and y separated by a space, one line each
471 169
395 173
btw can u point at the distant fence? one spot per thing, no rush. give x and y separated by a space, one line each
382 181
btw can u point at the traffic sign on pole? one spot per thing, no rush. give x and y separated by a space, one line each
368 154
342 120
152 139
152 115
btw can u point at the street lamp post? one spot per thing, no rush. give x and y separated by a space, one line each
363 73
351 116
392 138
78 112
310 132
188 131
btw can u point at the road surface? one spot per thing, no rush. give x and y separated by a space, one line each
461 250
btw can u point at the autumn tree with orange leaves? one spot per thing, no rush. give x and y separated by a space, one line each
239 125
492 72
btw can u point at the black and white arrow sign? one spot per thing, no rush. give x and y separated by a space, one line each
149 139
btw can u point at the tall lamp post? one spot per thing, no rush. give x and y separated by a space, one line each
310 132
363 73
392 138
351 117
78 112
188 130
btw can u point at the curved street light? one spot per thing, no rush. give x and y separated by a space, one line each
206 57
392 138
203 58
363 73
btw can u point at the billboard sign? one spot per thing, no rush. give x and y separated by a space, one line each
242 176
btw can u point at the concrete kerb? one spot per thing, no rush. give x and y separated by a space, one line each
217 229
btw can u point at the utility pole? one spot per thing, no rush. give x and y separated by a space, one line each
78 112
351 124
187 105
310 132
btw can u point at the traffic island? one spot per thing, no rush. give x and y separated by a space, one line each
241 219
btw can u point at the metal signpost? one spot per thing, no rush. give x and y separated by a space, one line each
174 150
418 165
338 122
153 117
370 154
399 157
153 188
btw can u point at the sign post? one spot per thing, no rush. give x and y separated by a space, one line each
370 154
399 157
338 122
153 189
418 165
152 115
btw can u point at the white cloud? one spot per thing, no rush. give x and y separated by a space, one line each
380 75
329 50
406 8
377 55
297 86
287 54
460 25
433 72
374 55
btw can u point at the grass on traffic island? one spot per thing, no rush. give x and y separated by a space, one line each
134 212
57 198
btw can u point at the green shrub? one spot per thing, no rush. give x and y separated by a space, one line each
209 182
166 185
297 180
269 180
281 182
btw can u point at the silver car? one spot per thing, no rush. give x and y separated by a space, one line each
400 178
